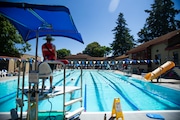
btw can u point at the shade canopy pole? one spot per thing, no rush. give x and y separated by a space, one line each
37 41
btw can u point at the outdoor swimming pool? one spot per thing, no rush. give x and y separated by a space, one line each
100 87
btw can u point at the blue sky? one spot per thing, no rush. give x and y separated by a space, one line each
95 20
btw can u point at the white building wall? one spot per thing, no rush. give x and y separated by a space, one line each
165 55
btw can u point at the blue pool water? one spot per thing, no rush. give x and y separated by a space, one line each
100 87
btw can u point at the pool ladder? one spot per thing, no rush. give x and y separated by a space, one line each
75 114
67 115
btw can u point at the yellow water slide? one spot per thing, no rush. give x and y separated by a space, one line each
160 70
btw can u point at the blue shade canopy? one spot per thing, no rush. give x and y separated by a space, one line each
30 19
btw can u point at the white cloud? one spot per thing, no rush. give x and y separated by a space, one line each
113 5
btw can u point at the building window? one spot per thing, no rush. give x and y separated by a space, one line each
175 57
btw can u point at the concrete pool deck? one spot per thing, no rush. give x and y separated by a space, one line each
128 115
132 115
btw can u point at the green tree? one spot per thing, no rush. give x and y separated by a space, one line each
94 49
161 20
107 50
123 41
62 53
11 42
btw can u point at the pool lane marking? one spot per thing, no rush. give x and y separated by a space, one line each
11 93
15 92
85 95
76 83
85 99
146 91
118 91
97 93
67 75
154 94
7 95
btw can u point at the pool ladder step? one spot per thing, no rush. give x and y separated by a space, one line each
73 101
71 114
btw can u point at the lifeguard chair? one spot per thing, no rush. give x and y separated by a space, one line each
44 73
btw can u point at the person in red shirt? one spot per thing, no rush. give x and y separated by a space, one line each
49 53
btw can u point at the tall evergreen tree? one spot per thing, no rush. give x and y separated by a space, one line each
123 41
161 20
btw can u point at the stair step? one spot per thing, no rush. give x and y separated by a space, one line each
73 101
71 114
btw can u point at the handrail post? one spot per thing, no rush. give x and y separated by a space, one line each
18 81
64 97
37 40
24 70
81 84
